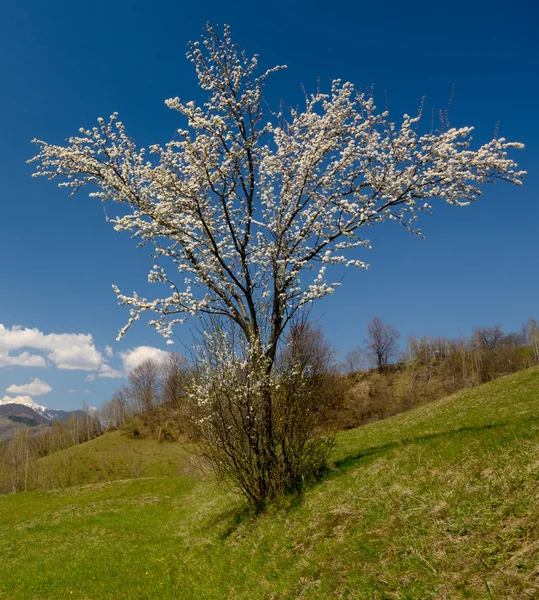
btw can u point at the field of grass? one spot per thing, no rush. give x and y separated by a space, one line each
440 502
114 456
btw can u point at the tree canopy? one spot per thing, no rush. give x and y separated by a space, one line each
247 209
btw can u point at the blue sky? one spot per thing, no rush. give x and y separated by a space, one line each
66 63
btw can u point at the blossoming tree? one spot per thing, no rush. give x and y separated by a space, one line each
247 209
243 202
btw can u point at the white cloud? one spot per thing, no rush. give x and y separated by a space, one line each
69 351
34 388
133 358
26 400
24 359
64 350
72 391
87 392
108 372
17 400
83 357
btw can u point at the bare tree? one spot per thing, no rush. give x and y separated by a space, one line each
106 416
18 459
534 338
120 405
488 338
531 335
175 380
144 384
353 361
382 343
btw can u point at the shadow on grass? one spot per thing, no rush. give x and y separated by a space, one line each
232 519
344 464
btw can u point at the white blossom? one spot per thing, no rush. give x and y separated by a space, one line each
243 203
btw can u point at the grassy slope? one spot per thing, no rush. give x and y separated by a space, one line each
440 502
114 456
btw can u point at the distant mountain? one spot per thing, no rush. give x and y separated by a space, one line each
15 416
52 414
29 408
24 401
21 410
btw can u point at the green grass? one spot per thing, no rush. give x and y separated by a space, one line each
114 456
441 502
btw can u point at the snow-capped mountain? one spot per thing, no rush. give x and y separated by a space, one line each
25 401
50 414
55 414
18 412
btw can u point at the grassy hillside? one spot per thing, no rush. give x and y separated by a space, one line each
440 502
114 456
373 395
